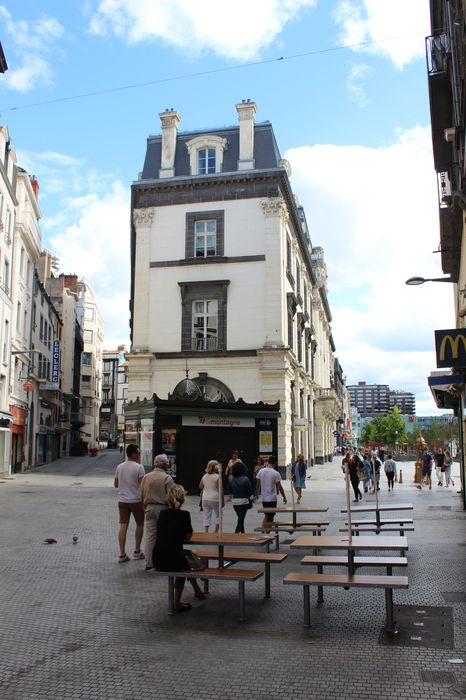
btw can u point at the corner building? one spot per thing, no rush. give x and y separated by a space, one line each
224 286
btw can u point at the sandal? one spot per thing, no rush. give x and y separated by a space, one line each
184 607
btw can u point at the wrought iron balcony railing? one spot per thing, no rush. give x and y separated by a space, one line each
204 344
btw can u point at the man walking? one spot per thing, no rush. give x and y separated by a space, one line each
390 471
268 481
154 494
439 465
426 469
128 476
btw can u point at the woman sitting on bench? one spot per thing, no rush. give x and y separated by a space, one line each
173 530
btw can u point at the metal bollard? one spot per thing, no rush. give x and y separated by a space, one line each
400 478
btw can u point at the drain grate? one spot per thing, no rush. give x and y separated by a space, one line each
421 626
443 677
452 597
458 691
439 508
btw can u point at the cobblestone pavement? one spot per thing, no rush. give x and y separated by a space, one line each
77 625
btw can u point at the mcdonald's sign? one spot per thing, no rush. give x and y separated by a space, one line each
450 347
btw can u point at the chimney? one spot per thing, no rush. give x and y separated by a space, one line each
35 187
246 111
170 120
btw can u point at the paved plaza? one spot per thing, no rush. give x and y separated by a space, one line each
75 624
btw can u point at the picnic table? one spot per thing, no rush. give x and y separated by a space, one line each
240 539
377 509
294 510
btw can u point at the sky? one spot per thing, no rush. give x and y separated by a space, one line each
344 84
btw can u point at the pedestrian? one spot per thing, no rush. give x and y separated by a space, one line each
354 466
447 465
439 458
209 488
268 481
298 476
367 472
381 455
154 494
345 461
128 477
376 465
390 471
258 464
426 469
242 493
174 529
231 462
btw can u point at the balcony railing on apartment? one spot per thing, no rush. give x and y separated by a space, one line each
437 53
204 344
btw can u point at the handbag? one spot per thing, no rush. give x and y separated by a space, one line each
194 562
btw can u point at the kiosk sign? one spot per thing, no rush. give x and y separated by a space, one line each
450 347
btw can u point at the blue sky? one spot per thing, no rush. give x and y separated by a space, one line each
353 122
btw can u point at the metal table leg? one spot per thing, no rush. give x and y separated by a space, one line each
320 589
171 595
390 624
242 605
307 607
267 579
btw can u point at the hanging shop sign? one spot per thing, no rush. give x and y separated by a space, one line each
28 386
450 347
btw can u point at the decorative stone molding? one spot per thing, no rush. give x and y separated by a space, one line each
143 217
206 141
274 206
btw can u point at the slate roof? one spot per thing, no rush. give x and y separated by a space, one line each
266 151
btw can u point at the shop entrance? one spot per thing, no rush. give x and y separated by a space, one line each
196 446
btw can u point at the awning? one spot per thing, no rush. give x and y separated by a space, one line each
445 387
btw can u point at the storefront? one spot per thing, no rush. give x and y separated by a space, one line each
191 432
18 438
5 436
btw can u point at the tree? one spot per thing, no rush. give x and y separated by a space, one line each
393 428
368 433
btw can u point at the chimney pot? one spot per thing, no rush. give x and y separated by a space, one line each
246 111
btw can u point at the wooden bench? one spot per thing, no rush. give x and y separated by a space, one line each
240 575
329 560
299 524
315 529
232 557
347 581
356 529
385 521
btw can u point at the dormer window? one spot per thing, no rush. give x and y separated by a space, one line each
206 154
206 161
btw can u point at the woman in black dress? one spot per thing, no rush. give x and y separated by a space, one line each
173 530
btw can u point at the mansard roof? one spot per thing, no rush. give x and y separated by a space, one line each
266 153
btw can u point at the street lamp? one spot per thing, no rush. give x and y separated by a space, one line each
415 281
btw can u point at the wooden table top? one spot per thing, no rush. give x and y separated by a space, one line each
371 507
294 509
241 538
342 542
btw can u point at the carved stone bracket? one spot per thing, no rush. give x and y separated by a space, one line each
143 217
275 206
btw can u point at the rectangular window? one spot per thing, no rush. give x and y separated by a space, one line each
88 336
205 325
298 278
18 317
6 277
21 263
6 330
289 257
8 226
85 382
89 313
86 358
205 238
204 234
41 327
206 161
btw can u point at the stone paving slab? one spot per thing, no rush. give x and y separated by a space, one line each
78 625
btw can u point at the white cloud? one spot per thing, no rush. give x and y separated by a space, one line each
354 83
30 43
86 224
375 212
199 26
374 20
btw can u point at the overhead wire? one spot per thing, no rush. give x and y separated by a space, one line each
211 71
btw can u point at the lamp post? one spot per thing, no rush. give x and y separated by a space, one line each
416 281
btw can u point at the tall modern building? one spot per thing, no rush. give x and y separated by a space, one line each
370 399
405 400
230 320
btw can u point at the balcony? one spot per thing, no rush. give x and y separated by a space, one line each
437 53
77 420
204 344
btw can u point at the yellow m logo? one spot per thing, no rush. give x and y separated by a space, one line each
454 346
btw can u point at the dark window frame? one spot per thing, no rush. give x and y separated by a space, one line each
191 218
206 290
